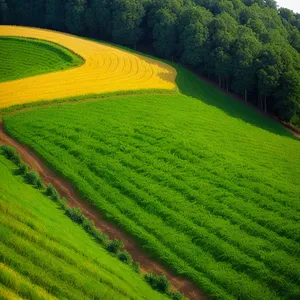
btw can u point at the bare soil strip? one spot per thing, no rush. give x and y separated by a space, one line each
65 189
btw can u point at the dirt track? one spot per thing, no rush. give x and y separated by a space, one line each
65 189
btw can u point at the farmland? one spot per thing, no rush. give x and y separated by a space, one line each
22 58
44 255
206 185
105 69
213 193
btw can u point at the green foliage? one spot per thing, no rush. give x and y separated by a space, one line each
75 214
52 192
165 33
33 178
90 228
23 169
158 282
97 18
176 295
75 16
188 173
46 255
21 57
115 246
225 40
127 16
11 154
136 267
125 257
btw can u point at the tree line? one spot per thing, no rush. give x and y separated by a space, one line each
250 47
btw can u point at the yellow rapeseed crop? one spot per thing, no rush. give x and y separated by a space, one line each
106 69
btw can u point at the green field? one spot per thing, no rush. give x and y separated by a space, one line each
44 255
213 196
21 57
206 184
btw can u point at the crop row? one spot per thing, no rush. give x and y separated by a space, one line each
238 263
211 212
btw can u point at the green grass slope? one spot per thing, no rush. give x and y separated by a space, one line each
211 192
44 255
21 57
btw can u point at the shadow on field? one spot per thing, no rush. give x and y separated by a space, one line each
191 85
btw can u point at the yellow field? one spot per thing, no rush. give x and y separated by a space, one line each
106 69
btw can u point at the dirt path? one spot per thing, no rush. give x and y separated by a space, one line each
65 189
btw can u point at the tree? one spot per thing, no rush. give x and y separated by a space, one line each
249 46
127 16
294 38
75 11
287 97
54 14
98 19
271 4
37 8
224 33
287 14
20 12
222 6
246 49
194 35
273 60
4 12
165 33
173 6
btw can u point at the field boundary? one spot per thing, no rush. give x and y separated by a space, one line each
81 99
65 190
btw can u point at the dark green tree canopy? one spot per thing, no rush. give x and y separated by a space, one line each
250 47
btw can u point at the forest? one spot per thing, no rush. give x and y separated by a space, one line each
249 47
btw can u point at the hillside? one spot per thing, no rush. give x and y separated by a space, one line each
248 47
21 58
45 255
205 186
214 197
105 69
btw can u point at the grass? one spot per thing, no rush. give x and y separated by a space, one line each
214 197
207 185
106 69
21 58
44 255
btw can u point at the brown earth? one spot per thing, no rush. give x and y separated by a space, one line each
65 189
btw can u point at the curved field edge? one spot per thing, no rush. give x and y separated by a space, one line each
89 97
106 69
191 85
208 118
187 84
36 235
62 59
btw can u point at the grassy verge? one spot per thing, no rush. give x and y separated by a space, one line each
24 57
114 247
175 171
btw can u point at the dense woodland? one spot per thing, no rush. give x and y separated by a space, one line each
249 47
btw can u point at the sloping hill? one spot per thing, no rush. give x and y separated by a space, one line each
106 69
22 58
44 255
214 197
205 184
